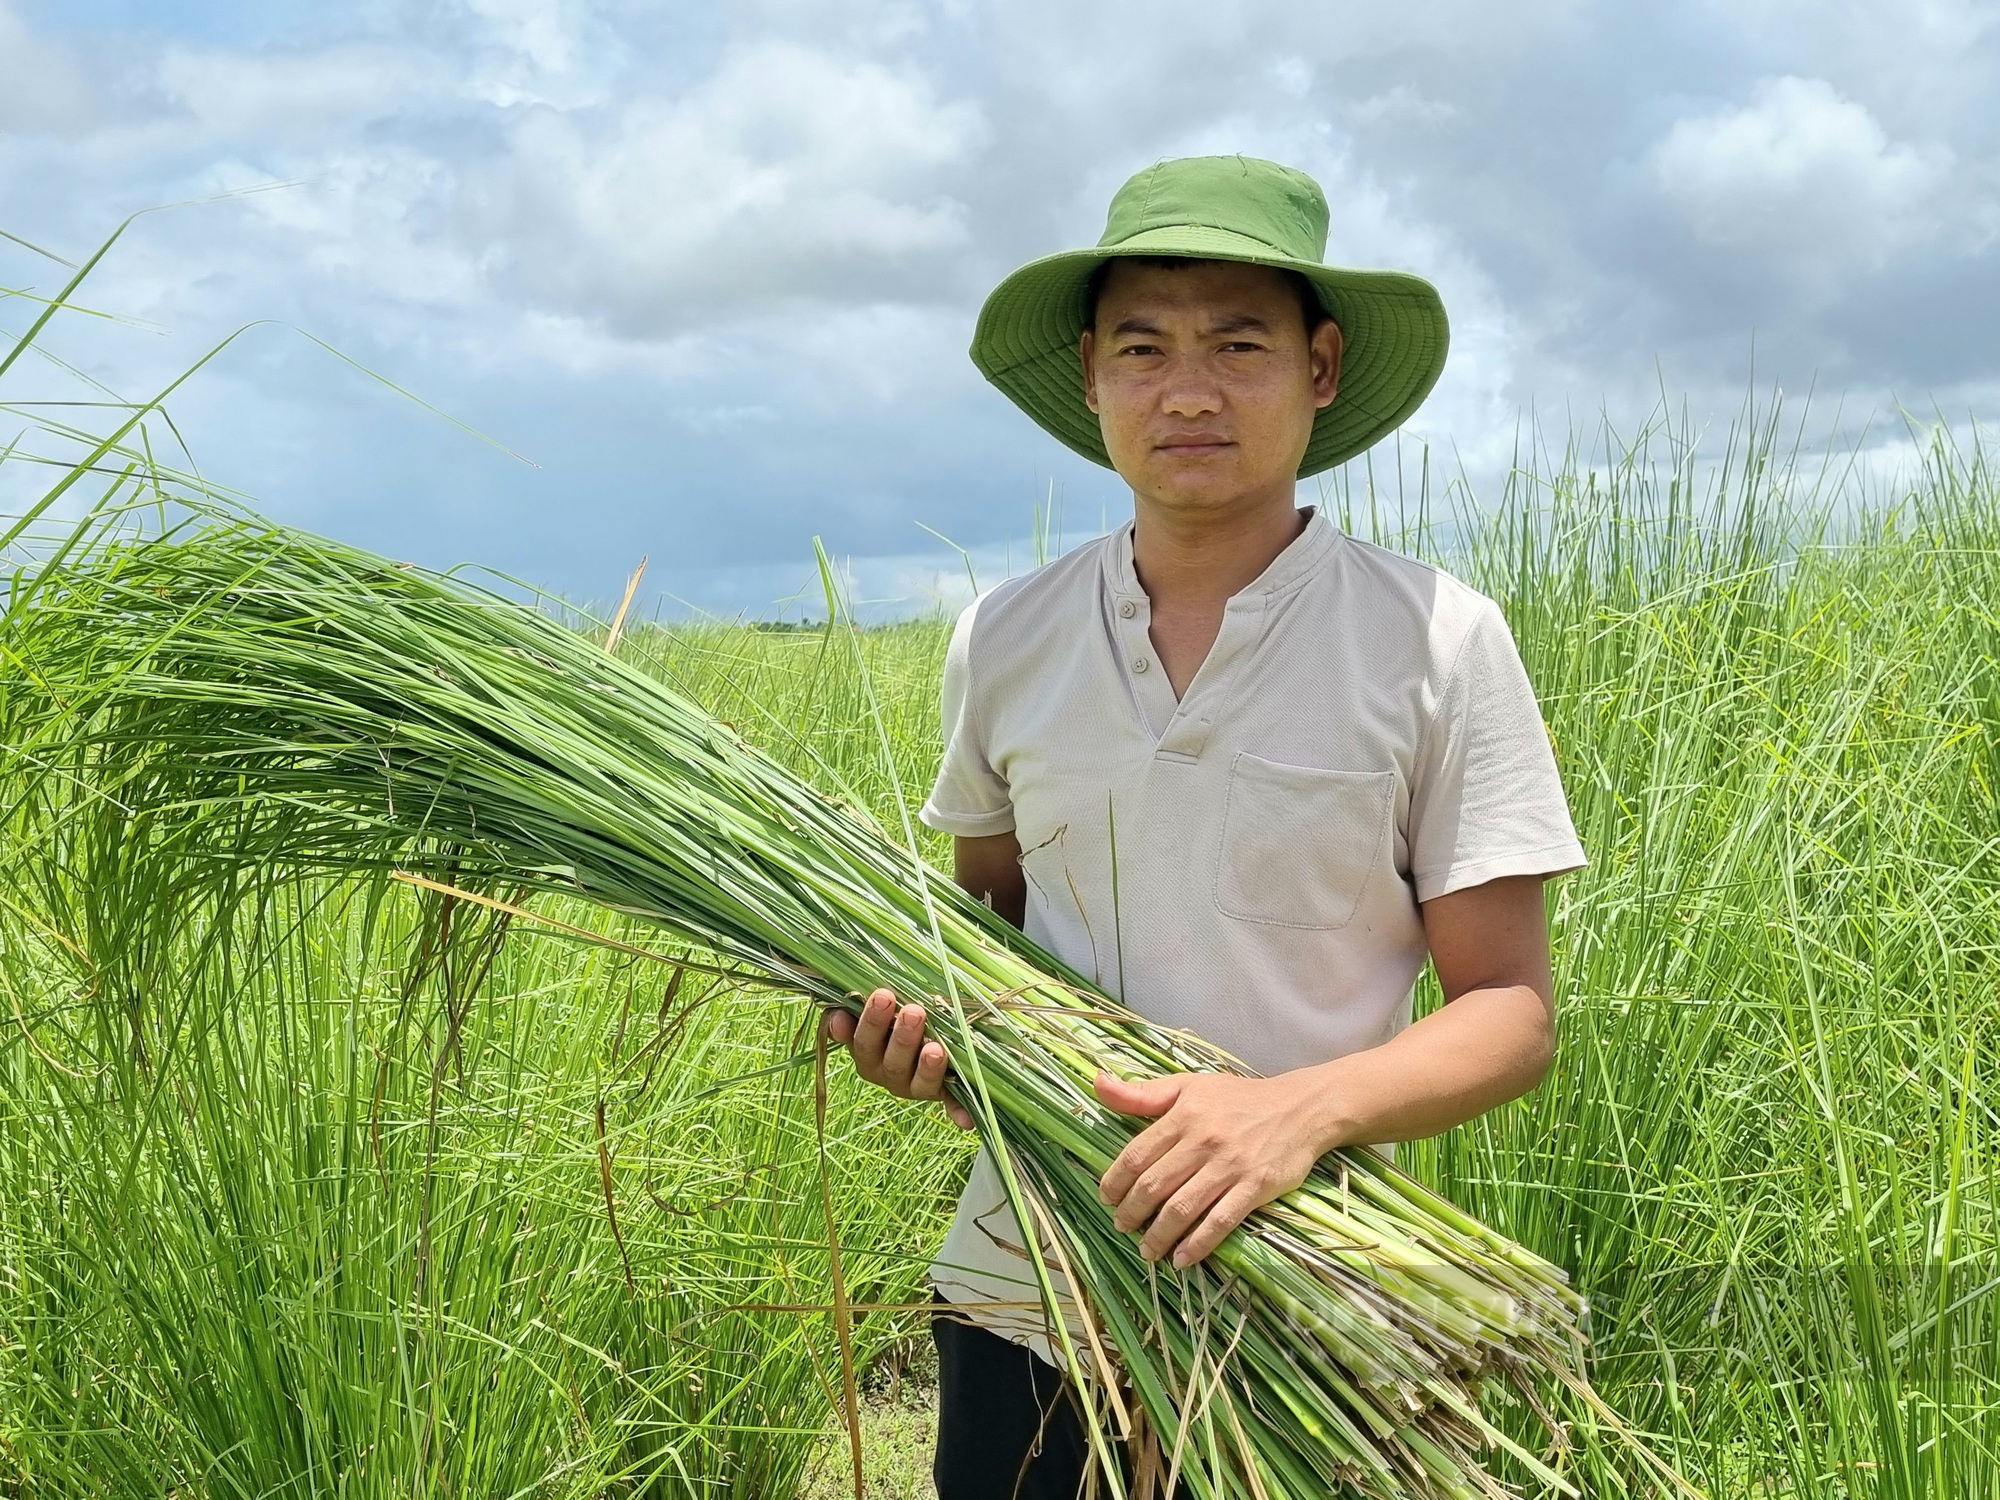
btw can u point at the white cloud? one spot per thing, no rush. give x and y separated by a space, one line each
706 419
787 174
39 88
1293 74
1919 64
354 218
543 31
1802 175
1402 107
295 95
539 52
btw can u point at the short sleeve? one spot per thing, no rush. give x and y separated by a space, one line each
1486 799
969 798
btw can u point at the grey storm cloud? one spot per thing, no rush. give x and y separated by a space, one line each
716 267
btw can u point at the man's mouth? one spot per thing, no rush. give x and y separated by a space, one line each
1194 444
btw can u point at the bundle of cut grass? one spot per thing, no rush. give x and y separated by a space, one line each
229 698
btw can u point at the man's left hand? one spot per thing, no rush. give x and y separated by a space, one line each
1220 1147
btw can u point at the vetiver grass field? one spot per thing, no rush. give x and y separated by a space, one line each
336 1197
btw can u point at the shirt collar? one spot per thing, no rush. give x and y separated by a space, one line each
1290 568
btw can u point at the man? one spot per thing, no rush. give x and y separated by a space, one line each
1243 769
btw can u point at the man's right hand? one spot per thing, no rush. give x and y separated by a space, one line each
890 1050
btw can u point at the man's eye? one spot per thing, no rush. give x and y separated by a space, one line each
1140 349
1240 346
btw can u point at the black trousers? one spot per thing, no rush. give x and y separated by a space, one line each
1008 1428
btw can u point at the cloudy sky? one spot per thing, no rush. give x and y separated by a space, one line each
714 267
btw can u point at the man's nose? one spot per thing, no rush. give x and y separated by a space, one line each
1190 391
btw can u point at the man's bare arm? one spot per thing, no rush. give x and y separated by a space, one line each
990 869
1492 1041
1222 1146
887 1042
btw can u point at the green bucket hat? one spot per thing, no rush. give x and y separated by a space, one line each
1218 208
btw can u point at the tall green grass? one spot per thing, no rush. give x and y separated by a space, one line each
350 1211
1768 1149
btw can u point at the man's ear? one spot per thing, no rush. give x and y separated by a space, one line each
1084 346
1327 347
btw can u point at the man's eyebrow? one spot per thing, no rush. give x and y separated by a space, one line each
1235 323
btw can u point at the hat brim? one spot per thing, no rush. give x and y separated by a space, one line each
1393 331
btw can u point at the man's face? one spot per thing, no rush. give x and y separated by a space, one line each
1205 380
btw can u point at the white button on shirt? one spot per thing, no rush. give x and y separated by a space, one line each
1361 737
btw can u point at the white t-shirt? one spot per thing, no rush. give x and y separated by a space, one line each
1361 737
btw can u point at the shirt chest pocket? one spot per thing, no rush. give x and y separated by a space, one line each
1298 843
